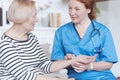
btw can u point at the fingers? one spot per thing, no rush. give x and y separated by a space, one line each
77 64
79 68
81 62
69 56
86 59
81 58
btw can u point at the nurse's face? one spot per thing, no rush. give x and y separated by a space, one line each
78 11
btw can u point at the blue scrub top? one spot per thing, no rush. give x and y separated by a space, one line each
67 41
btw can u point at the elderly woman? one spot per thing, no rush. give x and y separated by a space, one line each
21 57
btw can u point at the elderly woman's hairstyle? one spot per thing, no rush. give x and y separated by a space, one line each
90 4
20 10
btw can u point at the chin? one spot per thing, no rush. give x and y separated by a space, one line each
75 22
30 29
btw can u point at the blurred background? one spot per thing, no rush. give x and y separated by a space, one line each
53 13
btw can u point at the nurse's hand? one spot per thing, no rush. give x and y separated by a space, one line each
82 62
85 59
81 58
79 67
70 56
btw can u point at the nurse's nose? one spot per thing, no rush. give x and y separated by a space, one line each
72 12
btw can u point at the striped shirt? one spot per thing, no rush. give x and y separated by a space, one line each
22 60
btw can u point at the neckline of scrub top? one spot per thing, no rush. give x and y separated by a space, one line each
86 36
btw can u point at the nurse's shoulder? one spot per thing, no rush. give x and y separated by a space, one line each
101 27
66 26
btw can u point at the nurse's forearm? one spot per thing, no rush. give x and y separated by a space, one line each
60 64
99 66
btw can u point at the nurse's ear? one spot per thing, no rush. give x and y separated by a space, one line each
89 11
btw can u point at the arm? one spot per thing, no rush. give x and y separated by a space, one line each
82 62
106 58
80 66
46 66
108 55
60 64
100 66
12 62
58 53
57 49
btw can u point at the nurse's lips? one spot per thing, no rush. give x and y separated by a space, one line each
73 18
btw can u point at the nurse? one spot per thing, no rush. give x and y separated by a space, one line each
86 37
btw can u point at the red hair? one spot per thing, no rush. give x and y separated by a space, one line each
90 4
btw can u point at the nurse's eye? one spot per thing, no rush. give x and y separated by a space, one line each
77 9
69 8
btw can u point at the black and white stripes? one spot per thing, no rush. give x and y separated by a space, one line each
23 59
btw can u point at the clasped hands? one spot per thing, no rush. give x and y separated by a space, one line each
81 62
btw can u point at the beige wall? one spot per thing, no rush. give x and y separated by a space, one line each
110 16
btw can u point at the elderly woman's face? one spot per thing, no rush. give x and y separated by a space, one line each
77 11
30 23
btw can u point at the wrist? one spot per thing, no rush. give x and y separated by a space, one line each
90 66
72 61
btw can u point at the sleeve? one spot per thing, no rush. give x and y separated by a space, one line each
57 50
109 52
12 62
45 63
